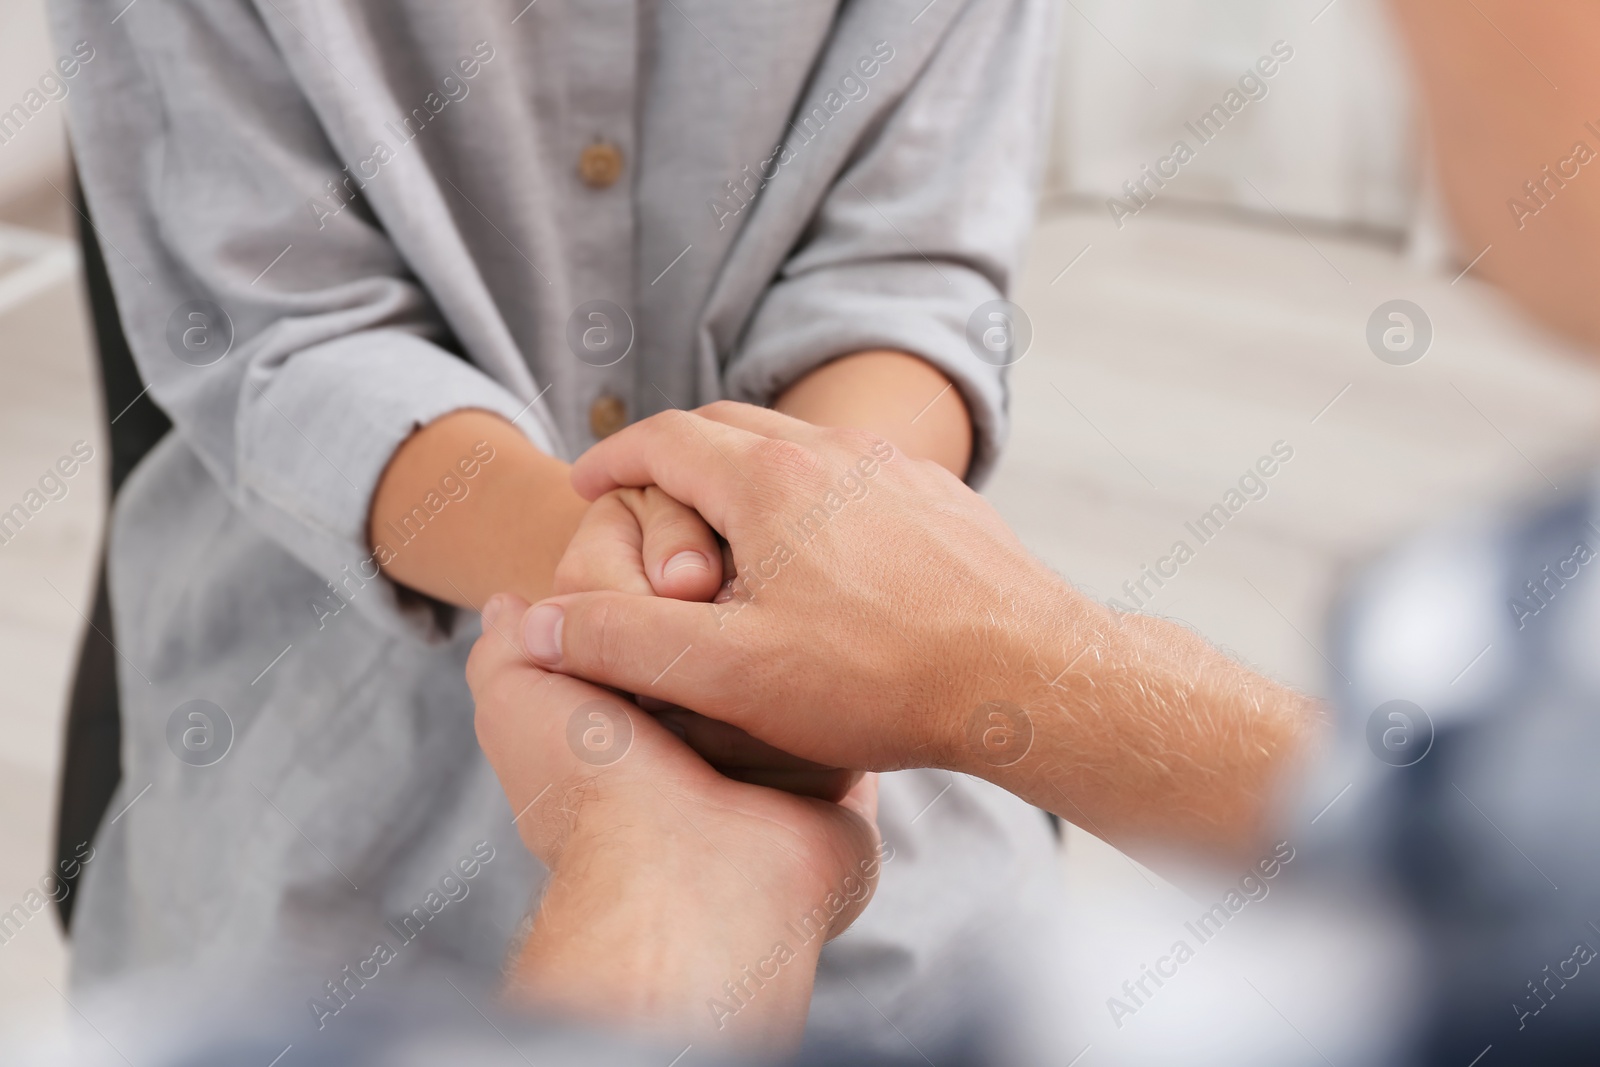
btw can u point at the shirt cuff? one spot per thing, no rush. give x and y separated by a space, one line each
316 435
921 308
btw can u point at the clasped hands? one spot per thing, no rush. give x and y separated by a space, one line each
645 543
658 820
882 611
668 813
683 847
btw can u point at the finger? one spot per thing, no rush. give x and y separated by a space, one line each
832 785
674 650
725 746
737 755
681 555
696 460
523 713
498 666
759 420
515 700
606 551
500 648
862 798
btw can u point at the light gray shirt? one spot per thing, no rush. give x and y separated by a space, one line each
327 224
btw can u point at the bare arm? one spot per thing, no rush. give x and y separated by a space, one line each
680 902
894 395
1498 122
509 533
506 534
1149 734
643 922
896 631
1136 730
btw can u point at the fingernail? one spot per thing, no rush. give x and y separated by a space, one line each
685 559
492 608
541 633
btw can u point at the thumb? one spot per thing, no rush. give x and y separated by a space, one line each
675 650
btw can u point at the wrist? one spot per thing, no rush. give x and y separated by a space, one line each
647 922
462 541
641 836
1012 685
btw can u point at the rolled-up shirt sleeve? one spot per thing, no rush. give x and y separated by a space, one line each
202 162
925 223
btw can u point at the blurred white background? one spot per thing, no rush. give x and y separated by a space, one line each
48 400
1334 139
1169 354
26 53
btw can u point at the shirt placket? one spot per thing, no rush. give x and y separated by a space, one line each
600 142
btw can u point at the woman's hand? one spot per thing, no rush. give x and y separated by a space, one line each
643 542
679 901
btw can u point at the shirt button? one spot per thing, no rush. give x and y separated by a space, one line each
607 415
600 165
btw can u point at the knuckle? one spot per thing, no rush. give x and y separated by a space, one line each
608 509
659 508
570 572
656 497
787 459
669 417
595 644
858 440
681 527
720 409
670 525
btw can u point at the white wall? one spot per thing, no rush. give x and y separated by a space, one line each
1333 140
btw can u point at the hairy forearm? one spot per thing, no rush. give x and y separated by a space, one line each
508 531
666 937
1144 734
901 398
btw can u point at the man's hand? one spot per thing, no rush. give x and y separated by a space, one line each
670 885
868 605
641 541
884 616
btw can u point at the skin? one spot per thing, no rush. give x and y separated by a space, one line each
523 529
618 546
510 533
1496 122
667 879
1135 697
884 640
